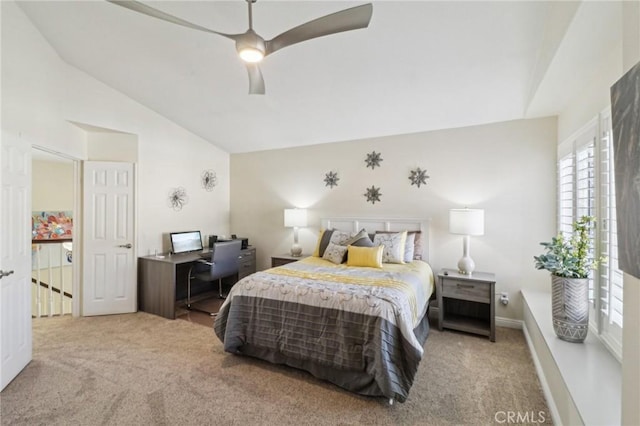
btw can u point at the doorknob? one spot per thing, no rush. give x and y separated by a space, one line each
5 274
128 245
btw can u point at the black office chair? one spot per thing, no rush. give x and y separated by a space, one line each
224 263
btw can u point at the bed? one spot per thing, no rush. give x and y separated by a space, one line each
362 328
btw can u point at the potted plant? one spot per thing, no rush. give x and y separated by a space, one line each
570 263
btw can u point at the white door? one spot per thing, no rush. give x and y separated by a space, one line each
15 257
109 284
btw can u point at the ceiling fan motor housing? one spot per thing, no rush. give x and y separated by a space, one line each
250 42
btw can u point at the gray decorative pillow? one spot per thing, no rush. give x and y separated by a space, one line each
394 245
361 239
335 253
323 242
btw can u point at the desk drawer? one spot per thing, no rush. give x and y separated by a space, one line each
246 263
247 254
466 290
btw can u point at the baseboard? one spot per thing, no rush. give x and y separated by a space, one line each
546 390
509 323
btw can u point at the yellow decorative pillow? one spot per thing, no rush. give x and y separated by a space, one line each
365 256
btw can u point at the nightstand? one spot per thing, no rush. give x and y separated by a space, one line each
467 302
283 259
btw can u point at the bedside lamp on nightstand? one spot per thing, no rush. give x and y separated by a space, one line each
295 218
466 222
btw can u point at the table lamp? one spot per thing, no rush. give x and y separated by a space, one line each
295 218
466 222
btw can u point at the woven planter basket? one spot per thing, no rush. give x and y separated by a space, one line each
570 300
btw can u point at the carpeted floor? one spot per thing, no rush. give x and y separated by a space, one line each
140 369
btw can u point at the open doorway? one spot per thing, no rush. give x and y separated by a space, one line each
53 288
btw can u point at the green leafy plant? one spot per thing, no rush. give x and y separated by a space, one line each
569 258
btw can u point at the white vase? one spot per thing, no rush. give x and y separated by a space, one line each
570 301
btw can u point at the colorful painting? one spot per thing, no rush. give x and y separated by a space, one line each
51 225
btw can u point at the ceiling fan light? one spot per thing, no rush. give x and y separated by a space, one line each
251 55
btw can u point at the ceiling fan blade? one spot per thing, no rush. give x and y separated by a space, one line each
346 20
256 82
136 6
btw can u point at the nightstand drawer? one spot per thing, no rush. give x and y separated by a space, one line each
466 290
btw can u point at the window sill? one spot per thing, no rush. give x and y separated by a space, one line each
582 382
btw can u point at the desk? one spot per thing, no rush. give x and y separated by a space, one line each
158 279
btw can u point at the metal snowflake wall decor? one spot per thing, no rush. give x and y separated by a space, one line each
208 179
373 194
177 198
418 177
331 179
373 160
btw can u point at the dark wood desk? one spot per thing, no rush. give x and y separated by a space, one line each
158 279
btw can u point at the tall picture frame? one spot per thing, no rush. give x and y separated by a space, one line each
625 118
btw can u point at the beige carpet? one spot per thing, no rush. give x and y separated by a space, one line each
140 369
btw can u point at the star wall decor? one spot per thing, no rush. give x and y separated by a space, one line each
208 179
373 160
331 179
418 177
177 198
373 194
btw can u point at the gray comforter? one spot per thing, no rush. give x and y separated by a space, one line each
360 328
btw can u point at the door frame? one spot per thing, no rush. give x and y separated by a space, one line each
76 264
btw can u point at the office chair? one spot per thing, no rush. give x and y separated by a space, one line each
224 263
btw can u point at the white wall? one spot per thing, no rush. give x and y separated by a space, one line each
111 146
595 98
507 168
52 186
42 97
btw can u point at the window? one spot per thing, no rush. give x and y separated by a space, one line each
611 278
586 187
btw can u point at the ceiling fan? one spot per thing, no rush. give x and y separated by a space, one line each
252 48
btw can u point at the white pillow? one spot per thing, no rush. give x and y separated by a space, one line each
340 237
409 247
335 253
394 246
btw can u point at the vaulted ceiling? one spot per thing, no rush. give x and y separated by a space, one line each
421 65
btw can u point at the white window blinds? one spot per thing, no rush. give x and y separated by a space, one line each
577 188
586 187
611 278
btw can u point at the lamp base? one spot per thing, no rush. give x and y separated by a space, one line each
466 265
296 250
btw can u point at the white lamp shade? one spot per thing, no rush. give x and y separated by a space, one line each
295 217
466 221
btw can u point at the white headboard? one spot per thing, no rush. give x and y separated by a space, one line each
351 224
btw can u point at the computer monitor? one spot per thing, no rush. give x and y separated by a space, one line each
185 242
